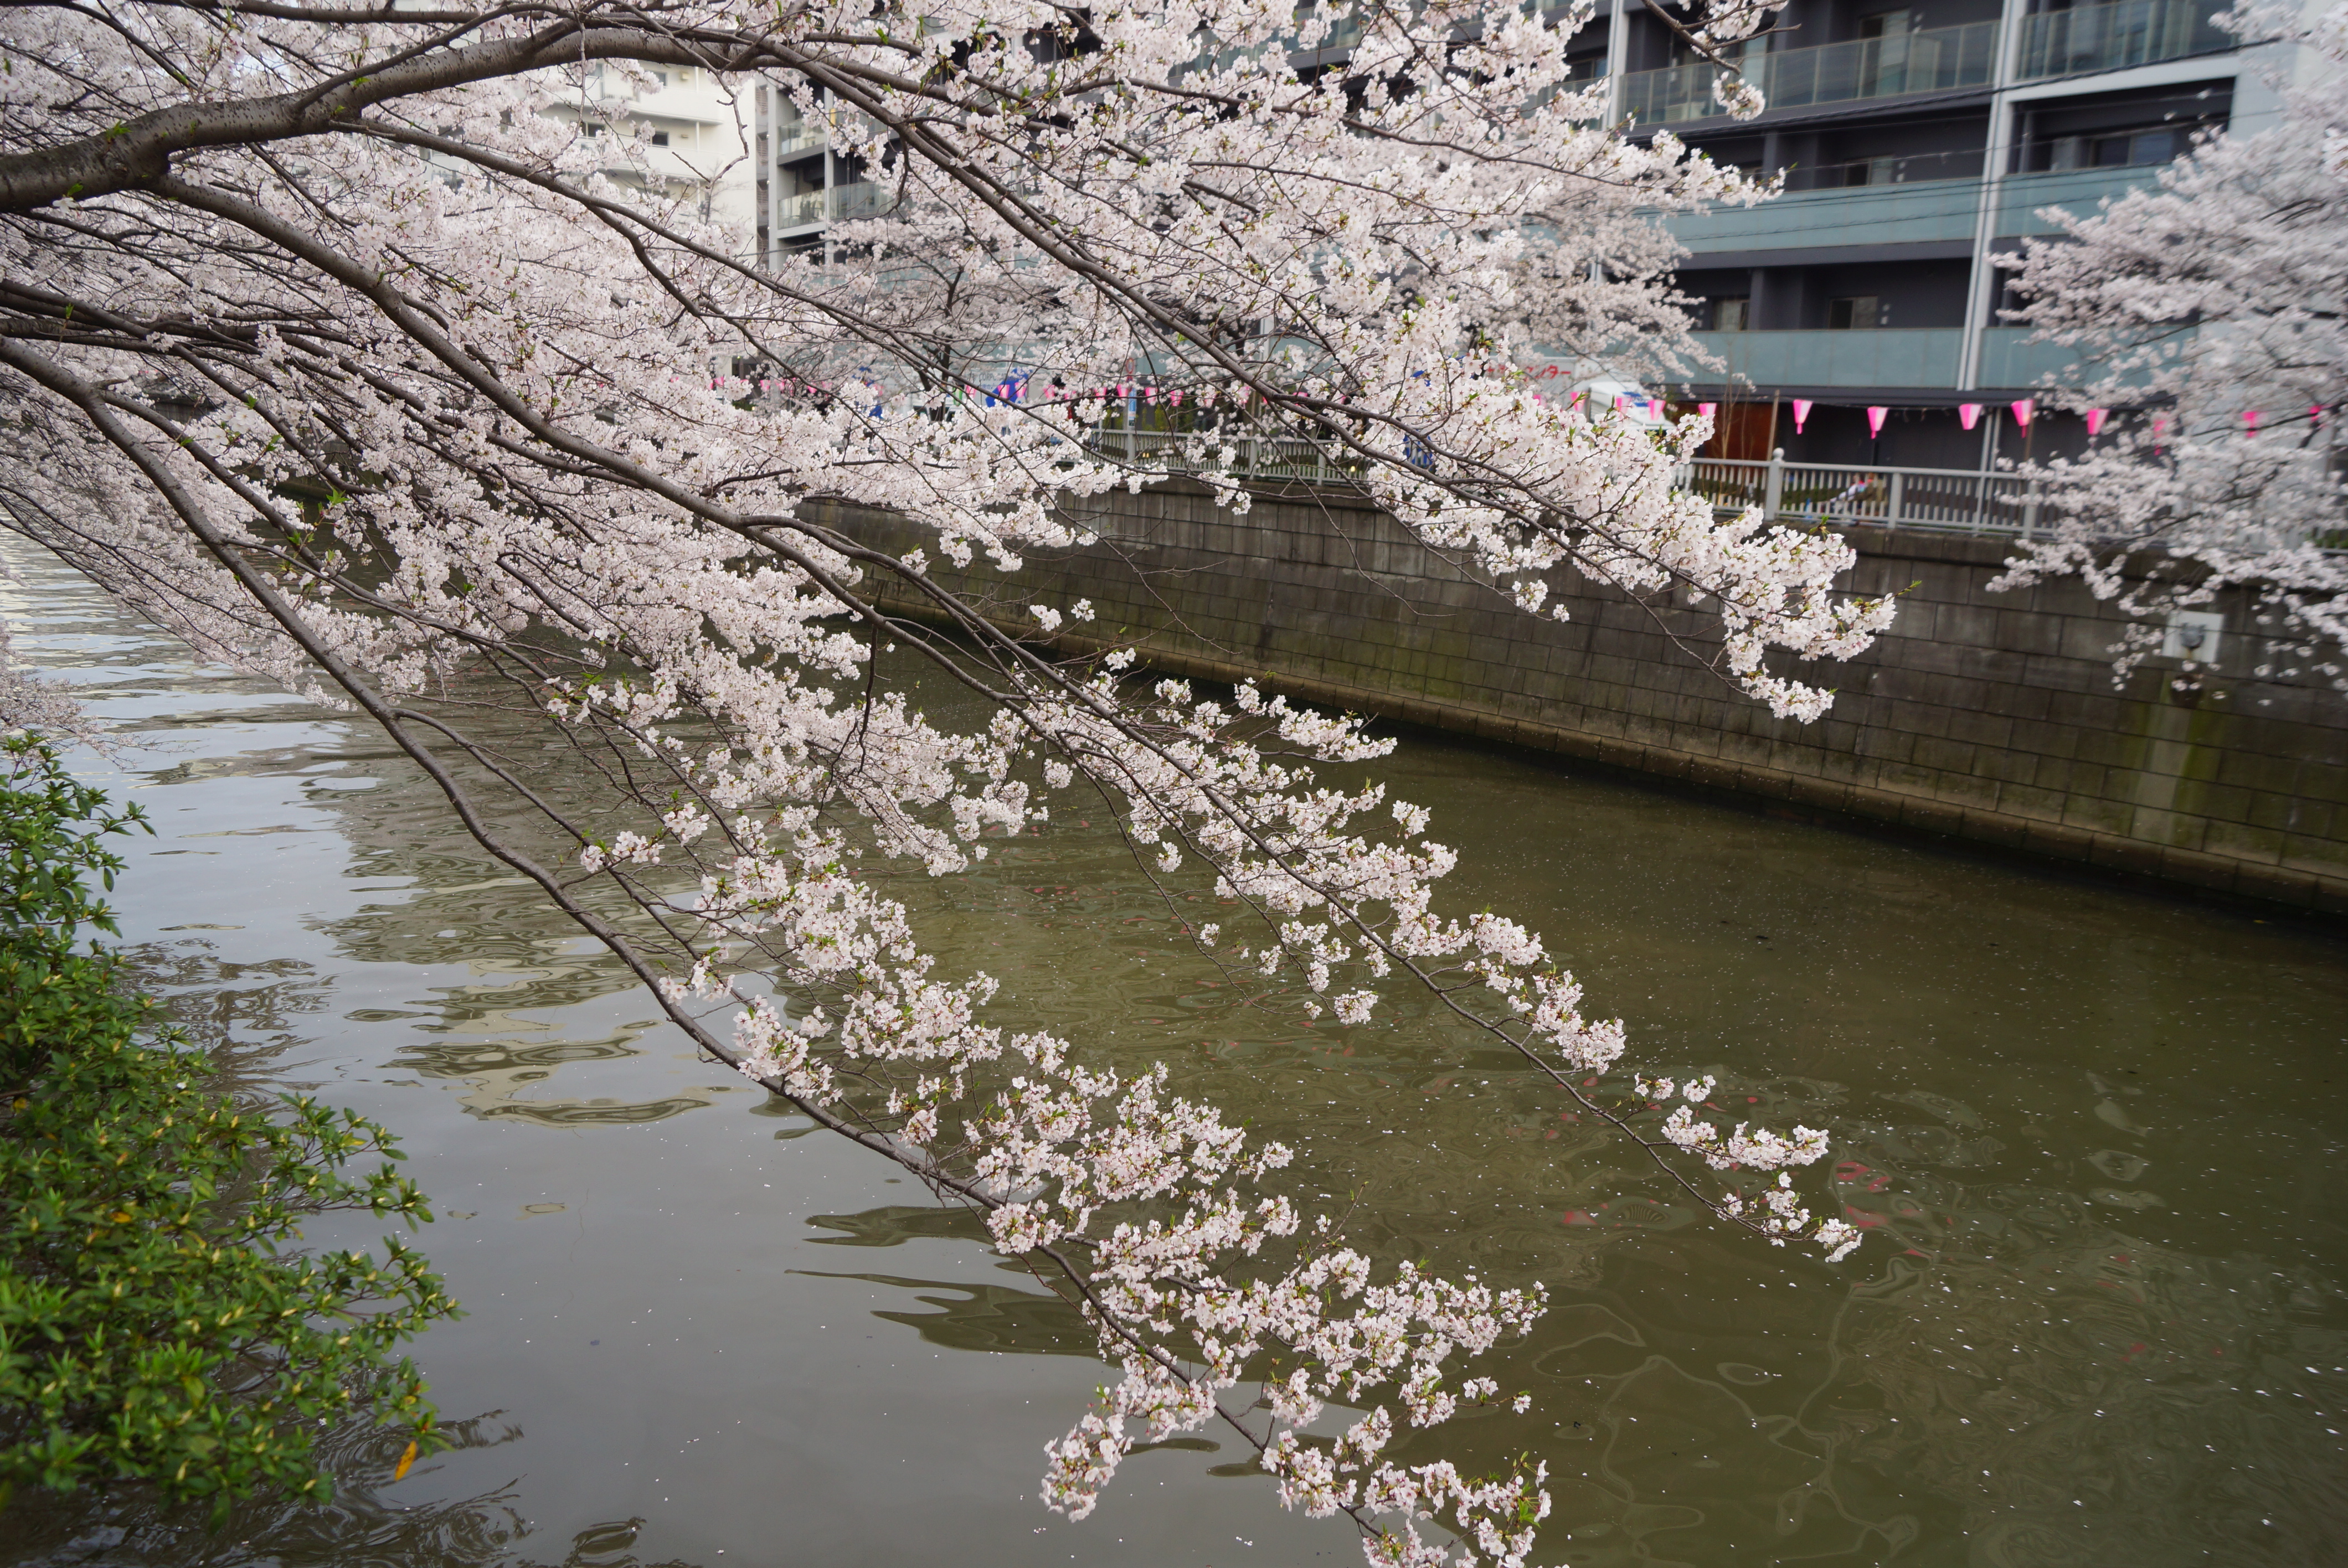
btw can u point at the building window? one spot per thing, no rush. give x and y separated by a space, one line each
1859 311
1871 171
1730 315
2142 147
1887 24
660 138
2117 149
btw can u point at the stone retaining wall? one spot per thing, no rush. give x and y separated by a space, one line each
1988 716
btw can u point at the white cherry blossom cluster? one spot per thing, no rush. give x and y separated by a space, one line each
2200 308
336 344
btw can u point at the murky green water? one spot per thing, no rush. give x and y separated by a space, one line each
2098 1138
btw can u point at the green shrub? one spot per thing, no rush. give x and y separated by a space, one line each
156 1325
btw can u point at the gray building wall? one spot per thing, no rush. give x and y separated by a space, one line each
1990 717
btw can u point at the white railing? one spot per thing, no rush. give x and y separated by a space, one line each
1935 500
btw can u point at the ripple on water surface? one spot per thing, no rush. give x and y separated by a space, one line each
2094 1137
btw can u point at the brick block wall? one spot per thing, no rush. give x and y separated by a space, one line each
1989 716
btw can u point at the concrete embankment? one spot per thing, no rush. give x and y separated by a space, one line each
1986 716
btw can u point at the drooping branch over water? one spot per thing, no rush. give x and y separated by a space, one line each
329 346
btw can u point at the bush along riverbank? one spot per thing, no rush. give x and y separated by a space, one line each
159 1325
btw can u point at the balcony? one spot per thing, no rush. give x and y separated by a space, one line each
1935 60
799 138
2009 360
1880 357
1857 215
860 198
1344 35
2077 190
856 199
2087 38
1889 358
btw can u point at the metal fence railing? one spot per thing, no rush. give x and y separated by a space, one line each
1934 500
850 199
2086 38
1823 495
1934 60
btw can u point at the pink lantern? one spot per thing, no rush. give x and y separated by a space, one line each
1706 408
1875 420
1969 415
2315 414
1801 412
2251 420
2023 411
2095 422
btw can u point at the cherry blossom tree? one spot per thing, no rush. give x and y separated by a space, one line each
328 344
29 703
2213 309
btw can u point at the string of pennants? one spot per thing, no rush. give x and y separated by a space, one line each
1012 390
2025 409
1968 414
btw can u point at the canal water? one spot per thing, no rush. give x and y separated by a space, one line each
2097 1138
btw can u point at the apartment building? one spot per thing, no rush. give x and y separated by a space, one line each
803 186
1920 141
683 130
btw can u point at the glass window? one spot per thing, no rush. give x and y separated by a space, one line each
1729 315
1859 311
